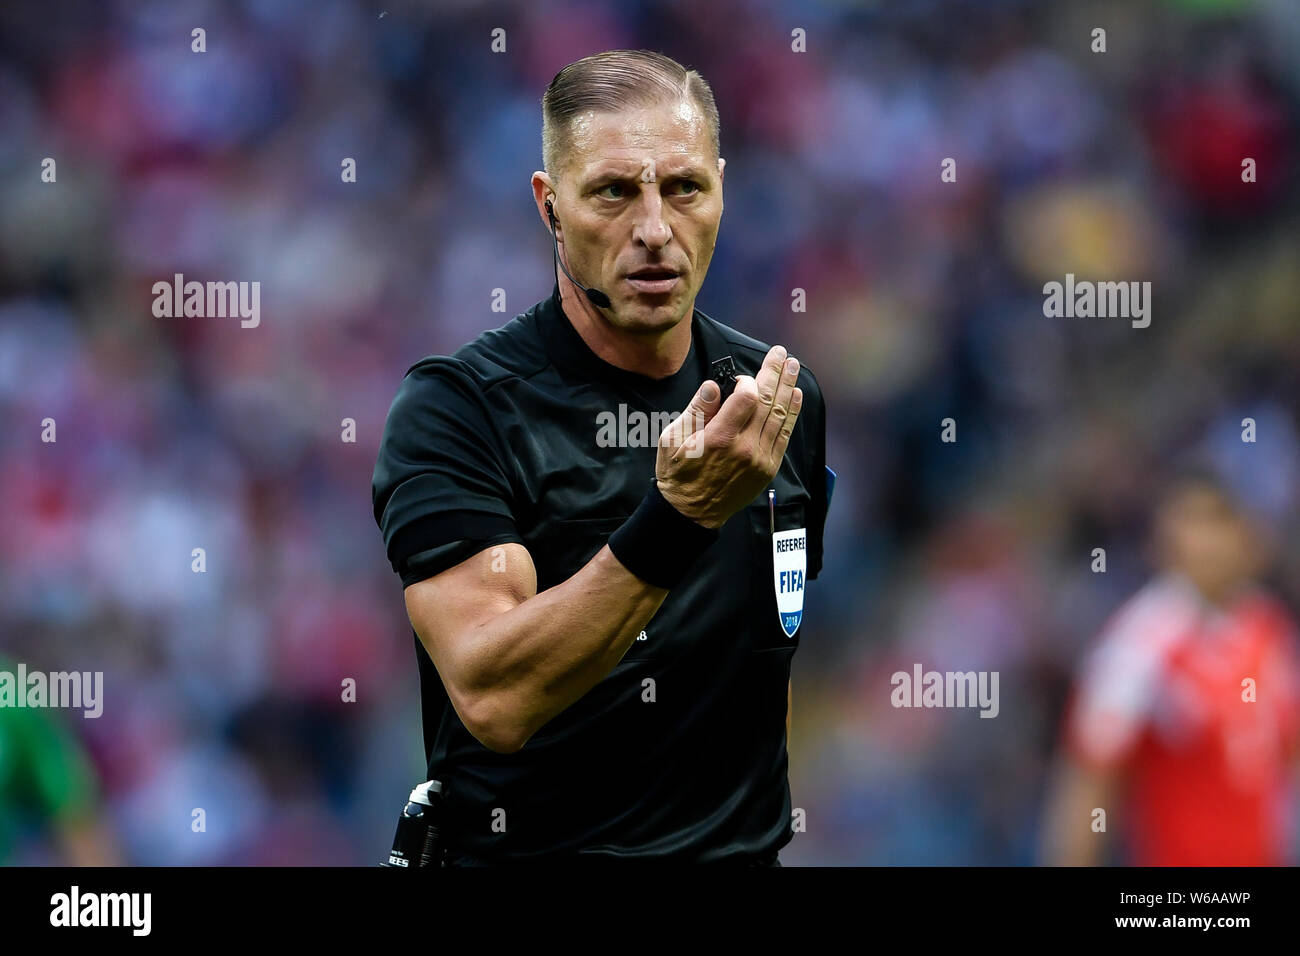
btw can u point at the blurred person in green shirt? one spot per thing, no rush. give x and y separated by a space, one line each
48 787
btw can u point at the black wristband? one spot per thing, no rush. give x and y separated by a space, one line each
658 543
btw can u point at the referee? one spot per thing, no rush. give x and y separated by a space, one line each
605 610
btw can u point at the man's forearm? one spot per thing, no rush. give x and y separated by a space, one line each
530 663
1074 794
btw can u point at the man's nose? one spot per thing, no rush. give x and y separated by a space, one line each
650 227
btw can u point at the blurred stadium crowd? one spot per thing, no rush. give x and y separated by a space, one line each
222 689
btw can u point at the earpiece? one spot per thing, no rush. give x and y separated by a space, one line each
596 297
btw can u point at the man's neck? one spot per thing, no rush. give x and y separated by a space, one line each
1215 600
654 355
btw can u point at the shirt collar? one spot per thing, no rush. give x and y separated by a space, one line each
1210 617
568 349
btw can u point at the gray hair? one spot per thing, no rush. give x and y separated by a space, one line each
615 80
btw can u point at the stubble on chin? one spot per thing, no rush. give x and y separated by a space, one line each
642 320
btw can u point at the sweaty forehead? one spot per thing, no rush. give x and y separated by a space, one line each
663 132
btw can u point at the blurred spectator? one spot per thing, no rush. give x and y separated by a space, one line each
50 808
1184 729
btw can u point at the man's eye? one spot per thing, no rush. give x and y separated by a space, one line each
686 187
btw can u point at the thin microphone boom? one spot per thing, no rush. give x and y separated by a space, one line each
597 298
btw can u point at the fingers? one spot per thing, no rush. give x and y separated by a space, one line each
768 378
752 396
787 428
780 409
704 404
736 411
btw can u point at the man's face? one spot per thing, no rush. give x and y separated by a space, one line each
1207 540
639 201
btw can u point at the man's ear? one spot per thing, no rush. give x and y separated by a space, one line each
721 163
543 189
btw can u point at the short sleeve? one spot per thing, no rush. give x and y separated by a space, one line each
441 489
1110 706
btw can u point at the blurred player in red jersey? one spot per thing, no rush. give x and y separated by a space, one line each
1160 731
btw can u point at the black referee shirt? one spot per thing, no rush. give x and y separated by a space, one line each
679 753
